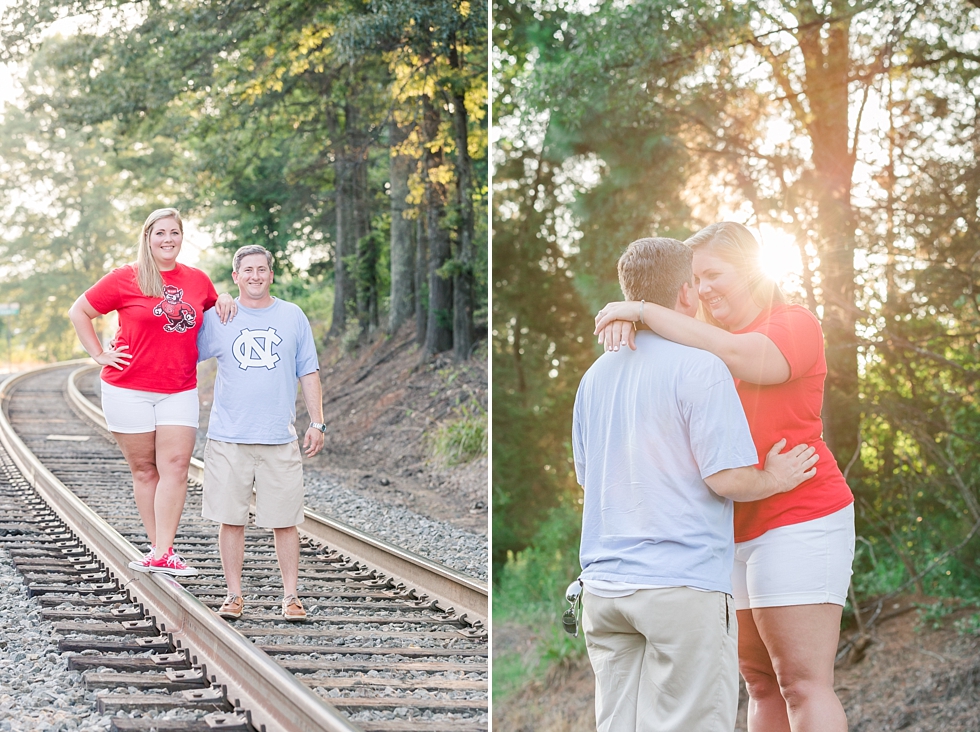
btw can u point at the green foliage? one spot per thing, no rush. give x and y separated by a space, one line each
510 673
70 214
311 295
969 625
877 570
529 591
462 439
239 114
553 649
533 581
931 615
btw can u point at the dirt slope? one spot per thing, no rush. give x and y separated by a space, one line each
382 405
911 677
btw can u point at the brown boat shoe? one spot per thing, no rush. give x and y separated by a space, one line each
292 608
232 607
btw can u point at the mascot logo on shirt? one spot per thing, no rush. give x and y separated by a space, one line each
253 349
180 315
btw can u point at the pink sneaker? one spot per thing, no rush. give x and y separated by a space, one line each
143 565
171 563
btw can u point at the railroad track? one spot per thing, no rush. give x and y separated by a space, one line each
394 643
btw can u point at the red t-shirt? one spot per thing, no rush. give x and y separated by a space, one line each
161 332
790 410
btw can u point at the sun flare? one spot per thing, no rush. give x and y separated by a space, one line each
780 257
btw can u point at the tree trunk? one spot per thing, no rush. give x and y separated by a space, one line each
367 282
463 272
373 245
400 307
421 270
827 58
438 331
366 248
343 246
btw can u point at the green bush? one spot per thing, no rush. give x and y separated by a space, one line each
462 439
969 625
536 578
530 591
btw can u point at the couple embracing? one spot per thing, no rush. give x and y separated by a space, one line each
718 531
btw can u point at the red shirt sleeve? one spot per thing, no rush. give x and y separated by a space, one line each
796 333
106 294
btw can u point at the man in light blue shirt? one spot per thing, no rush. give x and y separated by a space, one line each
661 448
262 354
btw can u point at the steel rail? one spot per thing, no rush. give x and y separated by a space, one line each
275 700
451 589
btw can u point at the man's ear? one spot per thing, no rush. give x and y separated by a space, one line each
234 276
686 296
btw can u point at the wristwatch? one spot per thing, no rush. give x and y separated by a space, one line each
319 426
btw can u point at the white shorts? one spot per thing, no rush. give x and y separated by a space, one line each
800 564
130 411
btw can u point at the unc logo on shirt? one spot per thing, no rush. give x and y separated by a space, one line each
253 349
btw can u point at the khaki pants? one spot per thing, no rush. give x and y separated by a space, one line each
665 660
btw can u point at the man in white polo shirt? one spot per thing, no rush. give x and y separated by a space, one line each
661 448
262 354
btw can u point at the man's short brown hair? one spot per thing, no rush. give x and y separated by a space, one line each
248 250
654 269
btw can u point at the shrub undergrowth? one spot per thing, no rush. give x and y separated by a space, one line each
530 592
461 439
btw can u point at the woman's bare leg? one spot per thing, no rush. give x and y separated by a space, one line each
795 646
174 445
140 452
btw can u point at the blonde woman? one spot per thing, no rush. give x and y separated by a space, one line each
793 551
149 374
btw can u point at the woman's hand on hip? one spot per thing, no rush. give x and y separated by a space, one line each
115 357
226 307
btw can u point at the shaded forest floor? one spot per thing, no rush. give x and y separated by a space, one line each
382 406
912 676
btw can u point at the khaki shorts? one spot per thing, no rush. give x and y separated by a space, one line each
232 469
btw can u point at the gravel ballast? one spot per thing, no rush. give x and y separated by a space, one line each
440 541
37 691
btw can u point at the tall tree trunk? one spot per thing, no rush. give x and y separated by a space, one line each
345 242
824 44
367 282
400 307
438 331
421 271
463 273
366 247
